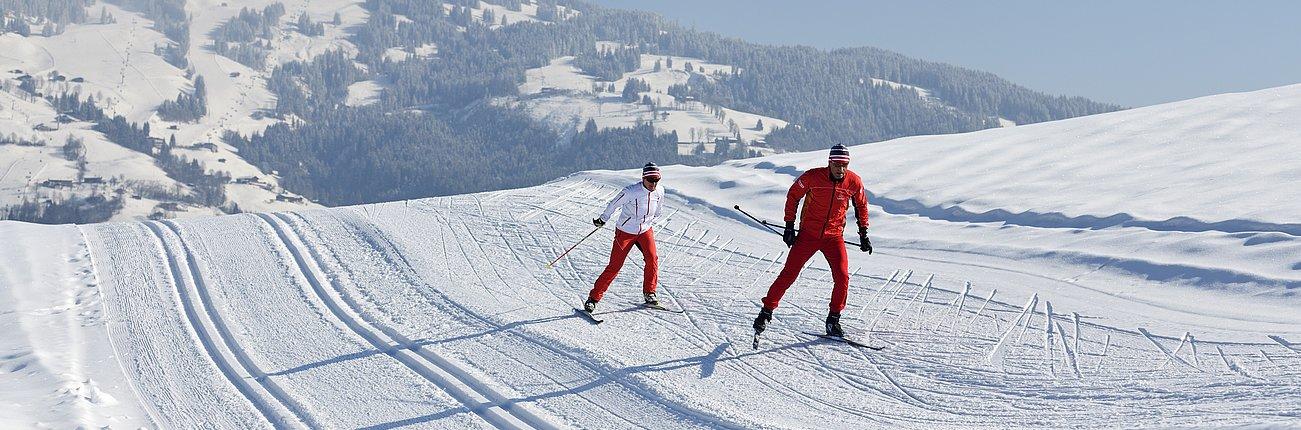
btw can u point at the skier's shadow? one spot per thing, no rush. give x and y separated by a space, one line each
707 362
427 342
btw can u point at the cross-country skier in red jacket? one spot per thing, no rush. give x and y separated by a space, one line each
639 205
827 194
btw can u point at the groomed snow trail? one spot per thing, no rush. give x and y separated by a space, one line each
441 313
270 337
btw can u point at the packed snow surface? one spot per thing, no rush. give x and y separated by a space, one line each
1132 269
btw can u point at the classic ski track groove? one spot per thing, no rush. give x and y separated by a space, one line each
505 354
475 395
370 230
558 382
266 388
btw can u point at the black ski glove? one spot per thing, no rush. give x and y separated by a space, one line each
788 235
598 223
864 244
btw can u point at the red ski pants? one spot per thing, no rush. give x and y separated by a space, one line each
623 242
833 248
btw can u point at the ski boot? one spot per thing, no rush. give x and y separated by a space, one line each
761 321
651 300
833 326
589 306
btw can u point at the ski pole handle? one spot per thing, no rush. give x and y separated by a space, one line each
553 262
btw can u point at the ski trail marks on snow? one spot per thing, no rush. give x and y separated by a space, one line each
476 395
274 404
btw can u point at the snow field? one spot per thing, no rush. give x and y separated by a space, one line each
341 314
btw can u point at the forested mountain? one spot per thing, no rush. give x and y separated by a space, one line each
828 97
377 100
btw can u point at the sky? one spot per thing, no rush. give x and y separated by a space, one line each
1131 53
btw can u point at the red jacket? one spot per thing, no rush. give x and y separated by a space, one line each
825 202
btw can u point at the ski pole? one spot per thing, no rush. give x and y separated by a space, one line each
553 262
761 222
771 225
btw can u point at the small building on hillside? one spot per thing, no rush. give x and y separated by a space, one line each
288 198
58 183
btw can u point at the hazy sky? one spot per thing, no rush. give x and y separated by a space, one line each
1133 53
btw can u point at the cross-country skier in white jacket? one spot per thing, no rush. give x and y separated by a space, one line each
639 205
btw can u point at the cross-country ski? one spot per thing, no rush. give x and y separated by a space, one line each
845 340
590 317
660 307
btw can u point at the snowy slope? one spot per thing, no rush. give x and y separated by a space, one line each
561 95
126 78
440 312
116 60
120 71
926 95
23 169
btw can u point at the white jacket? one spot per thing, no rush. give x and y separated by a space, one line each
639 208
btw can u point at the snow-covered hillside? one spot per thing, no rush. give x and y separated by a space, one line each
113 63
1133 269
561 95
116 64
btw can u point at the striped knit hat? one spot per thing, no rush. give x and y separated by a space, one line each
650 170
839 153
